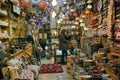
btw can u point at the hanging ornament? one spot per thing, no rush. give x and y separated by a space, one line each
35 1
89 6
25 4
75 14
59 3
42 5
15 1
77 18
53 14
57 9
81 20
83 16
87 11
54 2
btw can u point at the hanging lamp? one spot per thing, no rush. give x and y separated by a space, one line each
54 2
53 14
25 4
75 14
42 5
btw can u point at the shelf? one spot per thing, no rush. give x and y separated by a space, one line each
19 53
4 24
15 37
3 13
115 54
1 37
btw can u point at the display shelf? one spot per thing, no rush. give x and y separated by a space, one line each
4 23
1 37
3 13
19 53
115 54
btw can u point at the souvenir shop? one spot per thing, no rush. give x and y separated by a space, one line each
30 38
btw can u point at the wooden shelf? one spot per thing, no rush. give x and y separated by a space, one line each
19 53
1 37
114 54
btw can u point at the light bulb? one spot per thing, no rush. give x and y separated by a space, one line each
72 26
58 21
81 20
82 24
53 14
89 6
54 2
76 23
85 28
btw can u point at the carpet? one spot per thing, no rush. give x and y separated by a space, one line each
50 68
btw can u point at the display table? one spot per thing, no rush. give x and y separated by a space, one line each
15 60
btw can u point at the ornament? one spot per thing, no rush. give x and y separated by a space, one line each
54 2
87 11
75 14
42 5
35 1
25 4
77 18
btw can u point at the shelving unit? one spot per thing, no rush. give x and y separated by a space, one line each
19 53
4 24
11 25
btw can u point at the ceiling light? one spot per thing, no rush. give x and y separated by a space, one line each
81 20
58 21
65 2
76 23
53 14
72 26
87 11
72 10
77 18
85 28
83 16
61 19
82 24
89 6
54 2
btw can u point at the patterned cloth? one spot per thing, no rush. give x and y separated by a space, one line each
51 68
26 74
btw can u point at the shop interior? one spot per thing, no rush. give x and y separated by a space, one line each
30 39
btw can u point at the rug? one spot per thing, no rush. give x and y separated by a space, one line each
50 68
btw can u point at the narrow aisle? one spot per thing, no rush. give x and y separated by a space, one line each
54 76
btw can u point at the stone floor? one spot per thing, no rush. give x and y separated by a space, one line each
56 76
